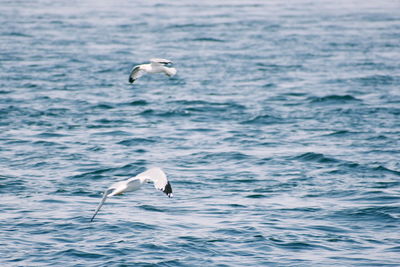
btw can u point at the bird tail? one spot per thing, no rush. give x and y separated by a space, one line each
170 71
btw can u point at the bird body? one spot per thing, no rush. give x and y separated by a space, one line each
155 175
156 65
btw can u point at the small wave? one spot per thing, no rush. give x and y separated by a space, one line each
112 133
105 70
315 157
230 231
79 254
223 156
263 120
274 68
95 174
11 184
188 26
393 249
383 184
137 141
55 112
165 114
134 226
256 196
369 168
16 34
151 208
270 85
107 122
377 214
45 143
297 246
333 99
50 135
202 130
377 198
374 80
137 103
52 200
13 111
384 169
329 229
339 133
205 39
16 142
207 106
103 106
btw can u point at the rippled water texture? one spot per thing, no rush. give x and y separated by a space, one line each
279 134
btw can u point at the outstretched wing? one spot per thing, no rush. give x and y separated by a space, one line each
105 195
135 73
161 61
158 177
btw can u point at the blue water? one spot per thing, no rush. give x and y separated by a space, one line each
279 134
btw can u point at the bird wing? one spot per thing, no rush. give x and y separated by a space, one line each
161 61
158 177
136 73
115 189
105 195
133 184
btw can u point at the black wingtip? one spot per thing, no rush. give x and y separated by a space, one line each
168 190
131 80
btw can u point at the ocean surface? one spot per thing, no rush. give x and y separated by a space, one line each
279 133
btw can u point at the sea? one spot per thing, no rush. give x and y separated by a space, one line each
279 134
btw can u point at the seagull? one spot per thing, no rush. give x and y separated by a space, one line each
156 65
155 175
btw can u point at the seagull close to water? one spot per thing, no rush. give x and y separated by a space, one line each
156 65
155 175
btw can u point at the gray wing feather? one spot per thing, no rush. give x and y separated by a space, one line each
161 61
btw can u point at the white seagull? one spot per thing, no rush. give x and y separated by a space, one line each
155 175
156 65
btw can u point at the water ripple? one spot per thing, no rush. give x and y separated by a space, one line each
279 133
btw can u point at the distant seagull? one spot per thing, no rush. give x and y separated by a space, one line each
156 65
155 175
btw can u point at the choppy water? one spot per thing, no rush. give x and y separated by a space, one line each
280 133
